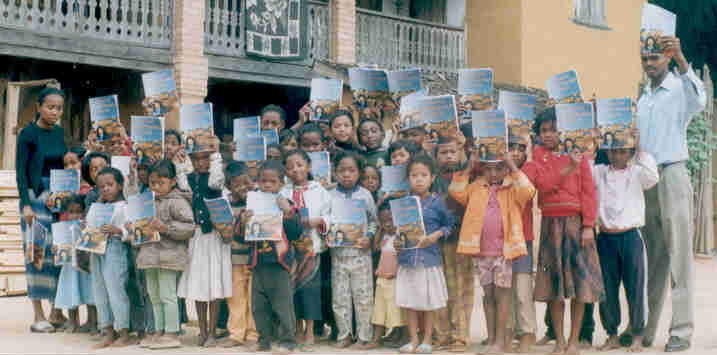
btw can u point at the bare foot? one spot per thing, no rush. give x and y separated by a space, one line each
612 343
544 341
559 349
107 341
573 349
526 343
636 346
211 342
585 345
123 341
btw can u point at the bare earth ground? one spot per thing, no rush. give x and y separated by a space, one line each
15 336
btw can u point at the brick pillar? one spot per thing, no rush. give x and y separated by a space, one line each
191 66
343 31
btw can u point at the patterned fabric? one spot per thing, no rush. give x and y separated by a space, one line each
352 280
41 283
276 29
453 322
565 269
494 270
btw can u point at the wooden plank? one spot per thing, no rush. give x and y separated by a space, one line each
13 284
246 69
12 257
10 126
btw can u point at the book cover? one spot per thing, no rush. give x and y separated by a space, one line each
564 88
403 82
271 136
64 236
267 222
409 112
348 222
104 113
614 121
220 212
520 112
148 137
121 163
93 240
656 22
325 98
160 91
408 219
368 86
141 211
81 260
394 179
247 127
250 149
575 125
439 115
321 167
63 182
475 89
196 124
36 240
490 132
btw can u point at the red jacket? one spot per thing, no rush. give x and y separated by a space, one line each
562 196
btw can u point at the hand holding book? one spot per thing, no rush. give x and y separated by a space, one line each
110 230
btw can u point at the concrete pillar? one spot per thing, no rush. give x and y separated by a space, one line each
343 32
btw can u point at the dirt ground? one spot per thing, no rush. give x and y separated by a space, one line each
15 336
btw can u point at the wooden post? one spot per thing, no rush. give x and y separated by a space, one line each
10 127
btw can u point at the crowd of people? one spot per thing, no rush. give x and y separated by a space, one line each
622 216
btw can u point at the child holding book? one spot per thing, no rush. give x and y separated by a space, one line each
163 261
208 277
174 151
371 136
313 203
241 326
351 275
74 287
621 211
568 264
420 283
492 231
272 294
288 139
110 271
92 164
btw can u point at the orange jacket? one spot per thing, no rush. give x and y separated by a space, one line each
515 192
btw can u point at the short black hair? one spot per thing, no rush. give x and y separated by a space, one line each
274 108
86 165
119 178
339 113
386 204
406 144
275 165
233 169
164 168
424 159
173 132
72 199
79 151
311 128
544 116
347 154
287 134
44 93
276 146
299 152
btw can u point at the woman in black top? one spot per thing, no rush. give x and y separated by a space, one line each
40 148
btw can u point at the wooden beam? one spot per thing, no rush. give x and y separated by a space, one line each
10 126
247 69
33 83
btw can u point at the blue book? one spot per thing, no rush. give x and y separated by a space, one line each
348 222
325 98
271 136
407 216
63 182
369 86
37 239
220 212
520 112
575 125
196 124
267 222
250 149
64 236
93 239
475 88
104 113
403 82
320 167
247 127
148 137
490 133
410 109
160 91
439 115
656 22
141 211
564 88
394 179
614 121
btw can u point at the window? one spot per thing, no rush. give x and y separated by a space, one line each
590 13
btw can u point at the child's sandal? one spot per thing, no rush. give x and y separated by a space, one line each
424 349
407 349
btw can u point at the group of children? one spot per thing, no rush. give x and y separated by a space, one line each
478 219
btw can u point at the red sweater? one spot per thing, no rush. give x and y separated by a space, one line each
562 196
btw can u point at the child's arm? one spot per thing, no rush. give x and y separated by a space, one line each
647 173
524 189
459 189
216 174
181 227
588 195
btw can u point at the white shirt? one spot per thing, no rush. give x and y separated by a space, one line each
621 199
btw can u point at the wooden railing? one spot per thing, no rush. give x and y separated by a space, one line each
398 42
143 22
224 28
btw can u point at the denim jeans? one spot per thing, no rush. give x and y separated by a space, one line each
110 273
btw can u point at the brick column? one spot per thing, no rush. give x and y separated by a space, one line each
191 66
343 31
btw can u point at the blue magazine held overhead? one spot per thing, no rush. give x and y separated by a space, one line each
267 222
247 127
409 112
408 218
348 222
148 137
325 98
564 88
520 111
271 136
196 124
475 89
490 133
160 91
250 149
394 178
575 124
320 167
64 236
104 113
614 121
404 81
368 80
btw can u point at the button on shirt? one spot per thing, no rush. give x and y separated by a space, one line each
491 240
664 113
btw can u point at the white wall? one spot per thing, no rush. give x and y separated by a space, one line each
455 12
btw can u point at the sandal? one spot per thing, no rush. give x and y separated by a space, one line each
407 349
424 349
42 327
307 348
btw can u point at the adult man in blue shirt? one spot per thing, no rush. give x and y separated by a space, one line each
668 103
